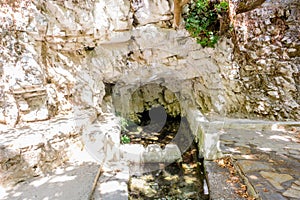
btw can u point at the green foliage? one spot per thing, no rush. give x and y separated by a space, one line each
124 124
222 6
202 21
125 139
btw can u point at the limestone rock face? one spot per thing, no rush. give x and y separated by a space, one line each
118 55
151 11
58 54
267 43
244 6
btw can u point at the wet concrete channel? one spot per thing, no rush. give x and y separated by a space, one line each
183 178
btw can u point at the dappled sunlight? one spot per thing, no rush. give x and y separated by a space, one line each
265 149
17 194
281 137
234 150
244 26
3 192
78 154
55 185
259 133
253 177
39 182
249 157
110 186
62 179
278 127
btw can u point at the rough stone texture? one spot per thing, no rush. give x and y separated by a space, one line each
276 179
147 11
267 54
265 154
219 187
102 138
293 191
130 101
57 54
244 6
36 148
250 166
113 184
56 185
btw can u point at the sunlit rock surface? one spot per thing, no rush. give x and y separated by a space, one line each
58 55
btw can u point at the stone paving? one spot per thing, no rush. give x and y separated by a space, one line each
267 155
72 182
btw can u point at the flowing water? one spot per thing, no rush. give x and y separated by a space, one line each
178 180
183 179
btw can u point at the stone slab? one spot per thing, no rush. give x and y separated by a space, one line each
113 185
219 189
292 193
250 166
276 179
74 182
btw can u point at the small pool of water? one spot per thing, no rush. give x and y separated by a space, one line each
179 180
182 179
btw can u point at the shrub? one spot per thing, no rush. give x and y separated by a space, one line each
203 21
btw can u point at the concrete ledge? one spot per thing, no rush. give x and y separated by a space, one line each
136 153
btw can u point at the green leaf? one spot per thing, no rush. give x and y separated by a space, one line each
201 20
125 139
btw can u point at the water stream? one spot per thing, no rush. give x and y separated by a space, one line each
182 179
178 180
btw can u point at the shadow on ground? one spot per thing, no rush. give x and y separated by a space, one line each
73 182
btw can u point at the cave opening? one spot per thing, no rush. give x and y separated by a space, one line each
154 127
183 178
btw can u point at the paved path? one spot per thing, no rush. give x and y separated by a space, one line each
266 154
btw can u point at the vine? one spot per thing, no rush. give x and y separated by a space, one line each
204 20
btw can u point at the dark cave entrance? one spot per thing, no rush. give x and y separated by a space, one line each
182 179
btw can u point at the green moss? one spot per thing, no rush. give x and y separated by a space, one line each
203 21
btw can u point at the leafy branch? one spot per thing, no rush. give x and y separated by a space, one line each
203 21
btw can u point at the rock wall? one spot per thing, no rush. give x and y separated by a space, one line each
59 54
39 148
267 54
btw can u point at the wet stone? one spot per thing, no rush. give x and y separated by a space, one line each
147 134
178 180
142 187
